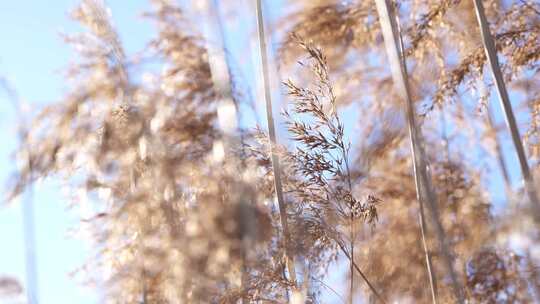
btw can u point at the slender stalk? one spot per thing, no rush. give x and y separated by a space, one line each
355 266
351 287
144 288
499 152
491 54
27 205
273 142
329 288
227 119
217 60
421 211
360 272
429 265
349 184
425 193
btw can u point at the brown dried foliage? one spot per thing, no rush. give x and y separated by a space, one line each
172 224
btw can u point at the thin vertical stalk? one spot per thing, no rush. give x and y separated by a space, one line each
144 289
425 193
343 249
360 272
349 184
273 142
427 254
217 60
227 120
491 54
421 211
499 153
351 270
30 246
27 204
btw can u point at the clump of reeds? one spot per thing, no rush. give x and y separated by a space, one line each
173 224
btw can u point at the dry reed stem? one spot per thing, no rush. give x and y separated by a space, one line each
491 54
273 142
499 153
32 289
425 193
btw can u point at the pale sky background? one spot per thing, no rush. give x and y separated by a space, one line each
32 57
